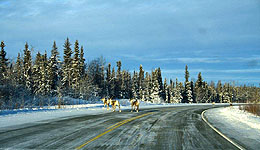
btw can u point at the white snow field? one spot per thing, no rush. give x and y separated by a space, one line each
241 127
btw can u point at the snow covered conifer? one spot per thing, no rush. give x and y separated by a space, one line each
53 71
177 92
187 75
118 92
37 73
76 69
219 92
135 86
66 68
44 84
155 94
18 70
112 83
140 83
82 62
3 63
189 92
28 68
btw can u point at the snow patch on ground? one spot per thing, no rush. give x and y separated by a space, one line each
233 114
242 127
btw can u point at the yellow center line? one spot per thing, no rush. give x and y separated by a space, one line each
113 127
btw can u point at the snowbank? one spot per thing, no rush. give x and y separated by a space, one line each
242 127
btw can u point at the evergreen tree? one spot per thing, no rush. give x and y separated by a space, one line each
188 92
67 69
155 94
200 89
37 74
19 70
108 81
140 83
54 68
160 82
147 88
166 92
28 68
128 85
177 92
171 92
135 86
44 86
118 91
3 63
76 70
186 83
82 62
219 92
187 74
113 83
123 84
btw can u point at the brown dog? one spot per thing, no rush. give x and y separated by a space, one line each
114 103
134 104
106 102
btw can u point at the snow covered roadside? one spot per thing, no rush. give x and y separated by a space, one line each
32 116
241 127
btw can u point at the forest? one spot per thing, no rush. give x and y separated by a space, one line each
43 80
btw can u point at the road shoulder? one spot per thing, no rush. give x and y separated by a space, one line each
240 127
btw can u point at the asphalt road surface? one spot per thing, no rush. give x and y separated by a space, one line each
158 128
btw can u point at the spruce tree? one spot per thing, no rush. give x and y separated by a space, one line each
76 70
147 88
200 89
155 94
160 82
19 70
37 74
66 68
53 71
135 86
3 63
44 86
219 92
140 83
82 62
186 83
28 67
113 83
166 96
118 92
108 80
177 92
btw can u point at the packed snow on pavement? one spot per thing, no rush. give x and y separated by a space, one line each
240 126
22 116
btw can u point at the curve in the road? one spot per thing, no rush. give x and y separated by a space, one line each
221 134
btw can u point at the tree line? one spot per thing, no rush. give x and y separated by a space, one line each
35 82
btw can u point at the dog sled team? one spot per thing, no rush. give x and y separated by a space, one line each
108 101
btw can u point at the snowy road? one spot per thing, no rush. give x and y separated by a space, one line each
154 128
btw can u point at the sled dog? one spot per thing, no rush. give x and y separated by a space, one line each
114 103
134 105
106 103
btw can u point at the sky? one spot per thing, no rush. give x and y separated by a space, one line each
221 39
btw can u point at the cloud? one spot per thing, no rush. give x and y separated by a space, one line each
188 60
231 71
